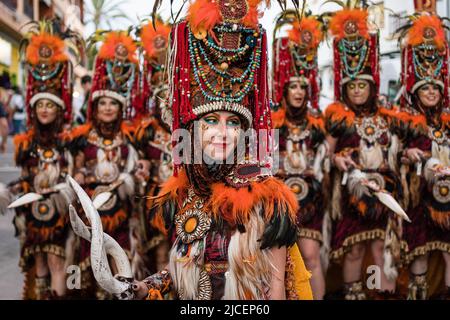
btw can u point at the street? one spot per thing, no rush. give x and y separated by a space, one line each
11 279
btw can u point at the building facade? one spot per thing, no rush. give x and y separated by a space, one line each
13 19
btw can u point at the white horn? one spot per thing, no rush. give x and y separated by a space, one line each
99 260
112 248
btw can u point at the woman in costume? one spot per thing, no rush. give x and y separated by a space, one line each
231 224
153 139
41 213
425 56
364 149
104 157
302 133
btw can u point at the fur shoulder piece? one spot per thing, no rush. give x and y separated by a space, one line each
445 118
127 128
22 141
315 120
338 112
77 132
278 117
142 127
417 121
171 194
235 203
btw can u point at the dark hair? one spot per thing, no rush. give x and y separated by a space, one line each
111 129
416 104
85 79
295 114
371 103
46 134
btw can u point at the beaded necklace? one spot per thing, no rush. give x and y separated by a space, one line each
43 73
356 49
423 69
117 81
200 52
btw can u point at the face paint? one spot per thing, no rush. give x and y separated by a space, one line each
219 134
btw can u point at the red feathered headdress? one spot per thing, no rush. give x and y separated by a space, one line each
49 68
219 65
425 54
116 72
356 49
295 58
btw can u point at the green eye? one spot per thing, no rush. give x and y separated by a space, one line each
351 86
235 122
211 120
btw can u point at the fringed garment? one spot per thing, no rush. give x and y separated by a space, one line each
220 243
42 225
152 140
302 161
373 144
429 201
106 165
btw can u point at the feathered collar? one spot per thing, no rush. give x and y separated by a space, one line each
231 203
126 128
338 112
314 119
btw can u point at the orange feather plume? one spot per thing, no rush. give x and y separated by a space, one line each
112 40
54 43
236 205
203 15
359 17
253 14
337 112
306 24
22 141
278 117
417 31
316 122
149 34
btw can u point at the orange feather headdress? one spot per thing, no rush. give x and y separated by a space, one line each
427 29
348 22
295 57
356 49
53 45
155 40
118 43
44 49
203 15
116 72
425 55
308 26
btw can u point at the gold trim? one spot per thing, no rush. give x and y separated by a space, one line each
47 248
429 246
216 267
310 234
360 237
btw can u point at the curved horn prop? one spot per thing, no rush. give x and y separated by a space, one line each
99 260
112 248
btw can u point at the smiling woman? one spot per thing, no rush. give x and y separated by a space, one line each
104 157
364 148
41 213
219 134
231 225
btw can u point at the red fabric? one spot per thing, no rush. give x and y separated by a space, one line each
97 82
315 90
281 68
67 92
374 59
337 71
